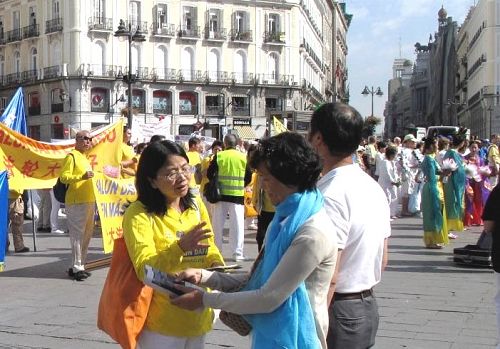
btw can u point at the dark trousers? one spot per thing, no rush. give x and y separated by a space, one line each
353 323
262 223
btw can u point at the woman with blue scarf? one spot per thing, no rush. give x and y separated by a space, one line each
285 298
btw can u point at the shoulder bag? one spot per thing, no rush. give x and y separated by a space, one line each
60 188
237 322
125 300
212 190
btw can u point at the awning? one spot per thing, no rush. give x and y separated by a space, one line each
245 132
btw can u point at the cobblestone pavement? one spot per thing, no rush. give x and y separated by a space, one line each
425 300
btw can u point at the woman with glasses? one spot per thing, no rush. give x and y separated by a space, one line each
285 298
168 228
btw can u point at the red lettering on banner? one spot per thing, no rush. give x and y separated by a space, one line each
17 144
9 163
92 159
29 168
52 170
111 136
7 140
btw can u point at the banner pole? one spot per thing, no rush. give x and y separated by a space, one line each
33 221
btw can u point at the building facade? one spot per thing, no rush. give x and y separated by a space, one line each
398 107
478 86
207 65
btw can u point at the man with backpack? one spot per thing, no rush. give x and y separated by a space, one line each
80 203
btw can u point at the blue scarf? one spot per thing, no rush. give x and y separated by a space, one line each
282 328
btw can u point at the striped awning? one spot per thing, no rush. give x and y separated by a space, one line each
245 132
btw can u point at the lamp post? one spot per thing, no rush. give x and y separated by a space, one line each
454 117
133 35
372 91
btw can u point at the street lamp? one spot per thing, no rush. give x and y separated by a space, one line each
454 117
367 91
132 34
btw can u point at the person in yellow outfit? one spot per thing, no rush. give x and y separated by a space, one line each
77 173
128 159
16 219
194 155
265 209
169 229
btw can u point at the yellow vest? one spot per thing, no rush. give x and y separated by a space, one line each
232 165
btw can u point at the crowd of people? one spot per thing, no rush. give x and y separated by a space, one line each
324 204
446 180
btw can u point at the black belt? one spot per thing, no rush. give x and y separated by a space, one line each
357 295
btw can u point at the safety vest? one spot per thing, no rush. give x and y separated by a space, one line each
232 165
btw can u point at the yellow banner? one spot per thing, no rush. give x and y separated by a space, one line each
36 165
112 196
278 126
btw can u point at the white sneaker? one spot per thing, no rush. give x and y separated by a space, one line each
239 258
252 226
58 231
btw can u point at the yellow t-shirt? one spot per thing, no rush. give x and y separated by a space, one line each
152 240
205 163
80 190
194 159
127 154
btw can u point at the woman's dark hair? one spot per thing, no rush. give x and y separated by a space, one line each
154 157
381 144
157 138
428 143
390 151
217 143
289 158
459 137
340 125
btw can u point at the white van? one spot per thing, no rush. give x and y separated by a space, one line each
445 131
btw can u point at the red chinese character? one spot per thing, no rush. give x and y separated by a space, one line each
9 164
52 170
92 160
29 168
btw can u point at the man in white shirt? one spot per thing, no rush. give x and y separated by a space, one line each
359 210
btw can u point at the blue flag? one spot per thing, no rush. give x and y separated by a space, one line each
14 115
4 212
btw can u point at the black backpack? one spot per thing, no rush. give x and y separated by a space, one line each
60 188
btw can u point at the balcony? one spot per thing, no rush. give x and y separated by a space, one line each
14 35
163 30
98 70
164 74
243 78
51 72
276 79
218 76
31 31
215 35
29 75
100 24
243 36
214 110
274 38
53 25
191 75
189 33
240 111
14 78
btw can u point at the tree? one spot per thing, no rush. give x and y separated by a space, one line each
369 126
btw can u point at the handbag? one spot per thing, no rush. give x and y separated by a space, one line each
237 322
60 188
125 300
212 190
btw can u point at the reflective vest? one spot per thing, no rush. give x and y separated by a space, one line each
232 165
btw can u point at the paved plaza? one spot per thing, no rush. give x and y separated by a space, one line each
425 300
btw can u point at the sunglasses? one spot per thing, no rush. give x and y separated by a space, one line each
85 138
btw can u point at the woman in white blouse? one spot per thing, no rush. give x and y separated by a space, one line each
389 179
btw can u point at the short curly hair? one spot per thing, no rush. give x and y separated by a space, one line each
289 158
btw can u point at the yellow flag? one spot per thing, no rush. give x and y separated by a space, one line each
278 126
36 165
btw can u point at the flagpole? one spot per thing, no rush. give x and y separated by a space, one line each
33 221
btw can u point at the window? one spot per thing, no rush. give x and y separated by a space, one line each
241 106
2 66
161 16
34 57
32 17
57 131
138 100
99 10
34 132
273 23
273 104
188 103
213 105
214 65
55 9
240 67
16 20
272 68
17 62
34 103
187 64
189 20
161 62
214 22
162 102
99 100
241 21
56 104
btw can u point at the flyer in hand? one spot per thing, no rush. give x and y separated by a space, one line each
164 282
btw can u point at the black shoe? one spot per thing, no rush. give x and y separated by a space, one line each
70 272
22 250
87 273
80 275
